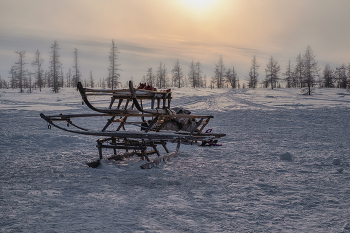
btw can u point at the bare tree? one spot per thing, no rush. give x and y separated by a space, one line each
311 69
19 69
220 73
199 74
92 83
69 78
62 79
55 66
30 82
103 83
161 77
289 76
13 77
76 71
192 77
232 77
328 77
341 76
47 79
298 71
253 74
177 75
113 78
38 71
272 73
150 78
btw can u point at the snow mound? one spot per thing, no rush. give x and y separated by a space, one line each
286 156
336 162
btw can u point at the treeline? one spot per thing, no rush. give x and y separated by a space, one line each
54 77
304 73
223 77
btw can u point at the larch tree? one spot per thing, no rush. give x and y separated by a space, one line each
62 79
298 70
113 69
253 74
192 77
161 76
69 78
177 75
13 77
92 83
220 73
289 77
150 78
328 76
55 67
232 77
199 72
19 69
76 70
38 71
272 73
341 76
310 69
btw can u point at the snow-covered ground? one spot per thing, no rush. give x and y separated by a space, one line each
278 170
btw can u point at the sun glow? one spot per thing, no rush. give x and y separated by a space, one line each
199 5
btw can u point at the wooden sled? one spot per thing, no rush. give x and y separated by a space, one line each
139 131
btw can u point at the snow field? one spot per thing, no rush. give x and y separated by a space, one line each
277 171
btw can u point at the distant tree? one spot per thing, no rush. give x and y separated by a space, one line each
232 77
161 76
69 78
19 69
113 78
76 70
272 73
220 73
92 83
143 80
47 79
253 74
298 71
38 71
103 84
3 83
310 69
61 79
199 74
192 77
328 77
150 78
177 75
289 76
30 82
13 77
341 76
55 67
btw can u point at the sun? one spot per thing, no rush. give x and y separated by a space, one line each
199 5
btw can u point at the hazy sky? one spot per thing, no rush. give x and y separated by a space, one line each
148 32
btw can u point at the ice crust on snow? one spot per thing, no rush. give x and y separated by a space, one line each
242 186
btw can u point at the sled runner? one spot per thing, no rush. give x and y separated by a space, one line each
131 127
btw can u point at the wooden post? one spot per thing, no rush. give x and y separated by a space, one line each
99 147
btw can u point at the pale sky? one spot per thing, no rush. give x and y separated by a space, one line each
148 32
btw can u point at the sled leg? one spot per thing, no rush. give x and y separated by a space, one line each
164 146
